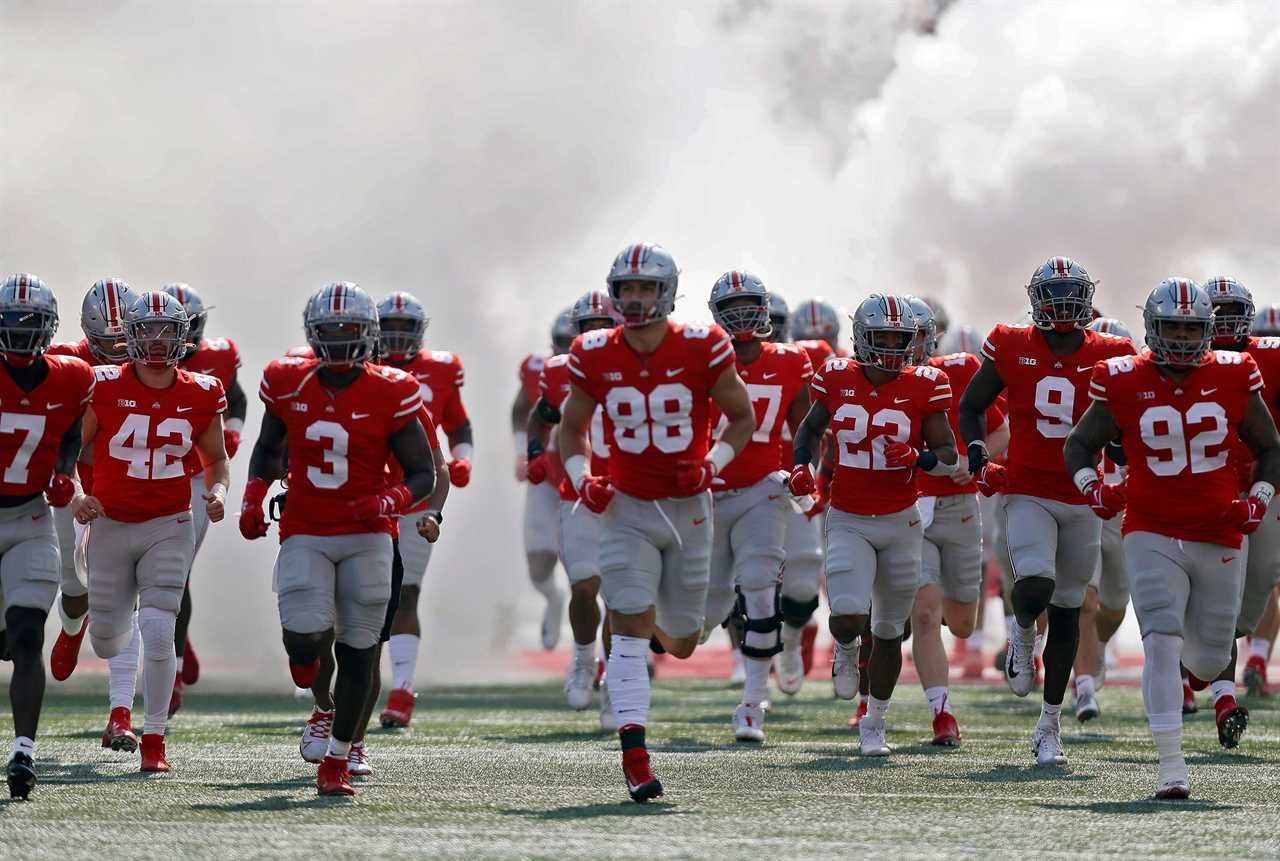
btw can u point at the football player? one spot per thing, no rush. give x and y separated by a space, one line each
749 502
1178 410
341 418
214 357
579 525
43 400
654 378
402 323
1053 535
541 501
951 581
145 417
890 421
1266 321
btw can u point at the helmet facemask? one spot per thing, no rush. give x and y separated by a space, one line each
1061 305
156 342
1178 342
889 349
25 333
1232 321
400 338
652 303
745 318
342 343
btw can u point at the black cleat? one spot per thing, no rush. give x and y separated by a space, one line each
22 776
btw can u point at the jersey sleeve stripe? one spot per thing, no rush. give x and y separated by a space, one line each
721 356
262 393
943 397
414 396
989 349
405 412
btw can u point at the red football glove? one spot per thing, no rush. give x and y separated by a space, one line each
1106 500
60 491
459 472
253 521
1248 514
900 454
231 441
694 476
372 508
596 493
821 497
800 482
993 479
537 471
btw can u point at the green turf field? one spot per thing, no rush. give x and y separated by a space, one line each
506 771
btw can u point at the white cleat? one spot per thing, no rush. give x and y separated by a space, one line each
738 675
577 683
315 738
1020 662
748 723
1174 781
608 723
790 667
358 761
1087 708
844 669
871 738
1046 742
552 618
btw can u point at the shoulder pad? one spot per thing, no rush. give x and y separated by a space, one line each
444 357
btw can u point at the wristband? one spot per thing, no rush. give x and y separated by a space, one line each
233 425
929 463
1085 478
462 451
534 449
522 442
576 468
218 489
1265 491
720 455
803 456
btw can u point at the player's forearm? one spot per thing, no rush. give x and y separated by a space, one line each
972 420
217 472
440 492
266 462
421 483
461 435
237 405
519 412
68 451
738 432
1077 455
1266 466
998 440
809 435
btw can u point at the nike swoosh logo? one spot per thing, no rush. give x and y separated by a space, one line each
359 415
1204 393
671 372
913 523
187 520
1226 559
698 521
1083 368
52 406
185 409
37 516
768 376
966 519
772 498
902 400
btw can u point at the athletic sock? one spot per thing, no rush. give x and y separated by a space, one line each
23 744
123 670
585 652
876 708
974 641
629 680
791 635
1260 648
339 749
71 626
1222 688
159 667
403 649
938 699
1050 715
756 688
1084 687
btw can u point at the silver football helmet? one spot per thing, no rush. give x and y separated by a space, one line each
1233 309
402 324
815 320
156 329
941 319
593 310
744 321
644 262
1061 294
779 318
961 339
28 316
1179 322
341 323
197 313
926 329
1266 321
563 332
102 319
884 332
1112 326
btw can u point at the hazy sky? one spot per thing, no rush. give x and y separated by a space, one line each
493 157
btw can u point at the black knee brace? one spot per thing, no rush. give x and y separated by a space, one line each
797 613
771 625
24 630
302 648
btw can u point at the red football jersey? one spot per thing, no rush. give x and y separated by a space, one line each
773 381
1177 440
79 349
33 423
554 388
142 438
395 475
656 405
1266 353
1047 394
959 368
530 373
865 418
338 440
440 376
214 357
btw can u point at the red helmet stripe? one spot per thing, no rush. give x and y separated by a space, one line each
338 291
155 303
735 281
636 252
891 304
399 301
113 312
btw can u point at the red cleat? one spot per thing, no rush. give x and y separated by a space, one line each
860 713
808 637
153 753
66 652
119 732
1232 720
333 777
1255 676
175 700
641 783
1189 706
399 710
946 732
190 664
